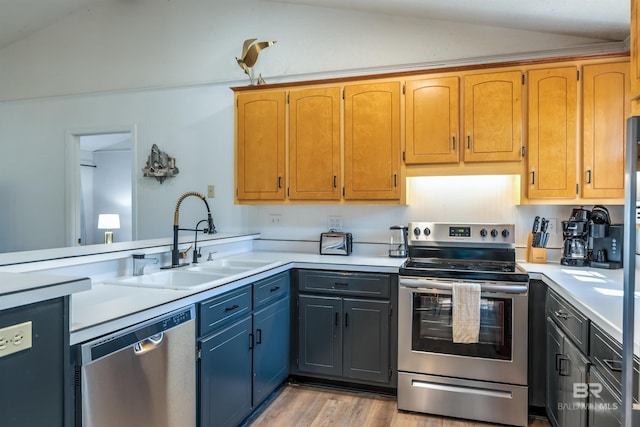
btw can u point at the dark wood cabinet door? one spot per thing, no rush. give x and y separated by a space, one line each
320 335
366 340
271 350
225 375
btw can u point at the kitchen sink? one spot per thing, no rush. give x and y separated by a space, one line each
202 275
172 279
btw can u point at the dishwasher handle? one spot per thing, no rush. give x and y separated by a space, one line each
142 337
149 344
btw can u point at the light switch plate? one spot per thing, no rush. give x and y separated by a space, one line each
15 338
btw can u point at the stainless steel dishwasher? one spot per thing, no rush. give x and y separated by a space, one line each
144 375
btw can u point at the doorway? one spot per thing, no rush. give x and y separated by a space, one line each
100 181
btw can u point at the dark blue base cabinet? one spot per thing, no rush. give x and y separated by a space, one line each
345 328
244 350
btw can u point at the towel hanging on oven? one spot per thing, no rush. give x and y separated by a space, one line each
466 312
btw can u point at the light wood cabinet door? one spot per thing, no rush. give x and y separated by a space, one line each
552 110
260 149
372 141
606 105
314 144
493 117
634 47
432 124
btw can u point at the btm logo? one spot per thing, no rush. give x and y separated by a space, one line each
582 393
582 390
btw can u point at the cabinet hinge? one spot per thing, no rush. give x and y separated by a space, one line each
578 75
523 151
523 79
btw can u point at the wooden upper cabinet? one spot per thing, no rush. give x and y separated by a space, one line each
432 120
493 117
314 144
634 47
553 103
372 141
260 146
606 105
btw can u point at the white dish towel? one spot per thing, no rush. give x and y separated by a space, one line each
466 312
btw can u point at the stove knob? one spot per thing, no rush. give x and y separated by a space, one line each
416 231
505 233
427 231
483 232
494 233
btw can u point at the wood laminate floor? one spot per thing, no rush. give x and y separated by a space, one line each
308 406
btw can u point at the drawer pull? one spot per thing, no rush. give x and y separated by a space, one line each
346 320
613 365
561 314
341 283
233 307
337 318
564 368
275 288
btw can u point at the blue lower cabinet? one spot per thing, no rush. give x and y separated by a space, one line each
225 376
271 349
244 355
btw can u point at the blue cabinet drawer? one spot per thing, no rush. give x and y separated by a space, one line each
221 310
345 283
270 289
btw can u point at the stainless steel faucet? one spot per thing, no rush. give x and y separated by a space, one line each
140 262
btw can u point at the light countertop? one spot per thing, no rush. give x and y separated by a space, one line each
106 308
18 289
595 292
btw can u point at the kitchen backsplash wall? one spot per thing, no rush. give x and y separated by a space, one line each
437 199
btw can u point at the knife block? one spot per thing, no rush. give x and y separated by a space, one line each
535 255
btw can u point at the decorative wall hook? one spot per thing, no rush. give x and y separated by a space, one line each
160 165
250 51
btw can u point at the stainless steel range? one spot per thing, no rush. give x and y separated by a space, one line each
485 379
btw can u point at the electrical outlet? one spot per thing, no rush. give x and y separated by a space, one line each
15 338
334 223
275 219
211 191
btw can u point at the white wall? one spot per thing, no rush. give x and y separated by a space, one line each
179 56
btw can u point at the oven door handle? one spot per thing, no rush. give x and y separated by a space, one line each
426 284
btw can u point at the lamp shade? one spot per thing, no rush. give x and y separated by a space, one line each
109 221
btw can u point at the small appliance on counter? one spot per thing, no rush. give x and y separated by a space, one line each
398 241
590 240
336 243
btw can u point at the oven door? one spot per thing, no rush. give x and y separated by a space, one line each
425 343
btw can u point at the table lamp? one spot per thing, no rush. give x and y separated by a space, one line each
108 222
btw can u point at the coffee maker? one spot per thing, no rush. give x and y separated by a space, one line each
576 233
605 240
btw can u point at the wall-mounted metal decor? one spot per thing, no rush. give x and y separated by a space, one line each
250 51
160 165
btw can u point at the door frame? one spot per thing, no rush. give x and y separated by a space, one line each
72 177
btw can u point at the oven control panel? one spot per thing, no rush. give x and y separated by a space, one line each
440 233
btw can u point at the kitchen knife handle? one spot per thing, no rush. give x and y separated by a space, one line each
588 176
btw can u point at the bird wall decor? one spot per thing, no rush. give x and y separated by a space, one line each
250 51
